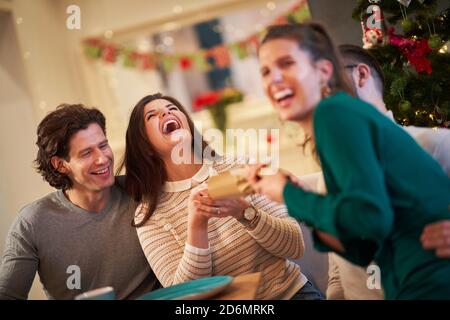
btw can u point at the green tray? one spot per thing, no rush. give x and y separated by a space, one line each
192 290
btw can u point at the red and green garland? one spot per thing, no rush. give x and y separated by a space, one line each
204 60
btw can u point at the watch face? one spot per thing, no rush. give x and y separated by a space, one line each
249 213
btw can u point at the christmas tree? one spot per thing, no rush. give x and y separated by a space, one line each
410 39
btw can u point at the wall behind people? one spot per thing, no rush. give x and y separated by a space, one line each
19 184
336 15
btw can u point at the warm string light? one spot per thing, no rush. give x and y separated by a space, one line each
144 46
108 34
271 5
177 9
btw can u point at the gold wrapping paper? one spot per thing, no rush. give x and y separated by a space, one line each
227 185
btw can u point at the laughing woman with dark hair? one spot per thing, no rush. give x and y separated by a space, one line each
186 235
382 188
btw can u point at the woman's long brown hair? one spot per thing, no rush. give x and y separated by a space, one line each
145 171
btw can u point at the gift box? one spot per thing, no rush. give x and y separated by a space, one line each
228 185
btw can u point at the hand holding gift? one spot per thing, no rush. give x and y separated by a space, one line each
238 183
207 202
270 185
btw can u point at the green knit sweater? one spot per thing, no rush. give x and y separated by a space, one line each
383 188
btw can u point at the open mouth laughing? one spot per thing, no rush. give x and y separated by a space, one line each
283 97
170 125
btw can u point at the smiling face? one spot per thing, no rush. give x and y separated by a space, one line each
165 125
290 79
90 161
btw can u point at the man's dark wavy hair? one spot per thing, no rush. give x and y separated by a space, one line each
53 136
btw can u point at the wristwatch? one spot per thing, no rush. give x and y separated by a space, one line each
250 218
249 213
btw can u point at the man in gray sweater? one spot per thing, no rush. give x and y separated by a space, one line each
80 237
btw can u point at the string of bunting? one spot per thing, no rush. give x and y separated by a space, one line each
203 60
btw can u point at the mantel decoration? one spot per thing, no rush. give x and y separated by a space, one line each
216 103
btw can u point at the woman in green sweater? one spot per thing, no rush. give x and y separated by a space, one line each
382 187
